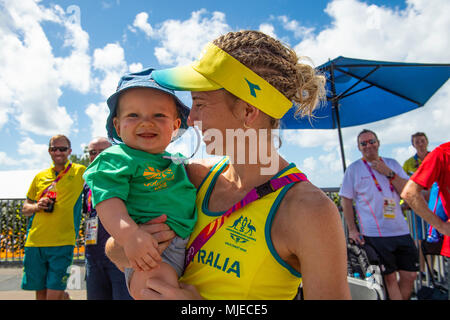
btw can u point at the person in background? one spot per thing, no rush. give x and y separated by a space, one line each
374 184
435 168
104 281
54 202
419 140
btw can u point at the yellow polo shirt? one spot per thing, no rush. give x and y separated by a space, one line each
240 261
410 166
60 227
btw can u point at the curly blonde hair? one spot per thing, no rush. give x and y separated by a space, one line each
277 64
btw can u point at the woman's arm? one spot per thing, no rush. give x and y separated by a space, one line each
141 288
308 234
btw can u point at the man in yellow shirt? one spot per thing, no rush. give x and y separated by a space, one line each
419 141
54 202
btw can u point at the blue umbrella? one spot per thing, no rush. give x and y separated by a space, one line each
364 91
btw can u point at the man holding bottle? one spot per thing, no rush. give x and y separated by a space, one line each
52 233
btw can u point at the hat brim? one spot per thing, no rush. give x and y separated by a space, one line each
184 78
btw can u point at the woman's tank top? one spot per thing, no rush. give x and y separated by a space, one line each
239 261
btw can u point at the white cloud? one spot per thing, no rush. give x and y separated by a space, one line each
111 57
32 77
401 154
79 59
35 156
311 138
268 28
135 67
182 41
309 164
110 60
5 160
364 31
419 33
141 23
295 26
98 113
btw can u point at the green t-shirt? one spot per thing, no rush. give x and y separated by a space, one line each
148 184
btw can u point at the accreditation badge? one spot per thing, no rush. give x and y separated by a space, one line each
91 230
389 208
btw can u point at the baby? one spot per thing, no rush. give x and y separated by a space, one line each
136 180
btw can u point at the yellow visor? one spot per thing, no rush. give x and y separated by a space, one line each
216 69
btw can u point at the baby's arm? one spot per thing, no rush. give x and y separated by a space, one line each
140 247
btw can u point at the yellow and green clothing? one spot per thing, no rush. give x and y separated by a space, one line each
239 261
410 166
149 184
60 227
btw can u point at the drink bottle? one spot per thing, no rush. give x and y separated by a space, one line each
51 194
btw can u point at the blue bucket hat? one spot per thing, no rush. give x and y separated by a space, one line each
141 79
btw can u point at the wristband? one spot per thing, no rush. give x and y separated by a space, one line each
391 176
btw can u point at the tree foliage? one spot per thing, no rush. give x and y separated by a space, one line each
80 159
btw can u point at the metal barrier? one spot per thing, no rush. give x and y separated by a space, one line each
13 230
419 230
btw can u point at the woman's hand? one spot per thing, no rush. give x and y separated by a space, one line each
160 231
141 249
156 227
143 288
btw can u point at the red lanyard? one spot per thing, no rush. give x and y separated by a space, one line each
375 179
59 177
416 158
255 194
89 201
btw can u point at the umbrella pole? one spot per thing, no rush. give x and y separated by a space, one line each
335 103
340 138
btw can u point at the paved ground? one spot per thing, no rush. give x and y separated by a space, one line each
11 277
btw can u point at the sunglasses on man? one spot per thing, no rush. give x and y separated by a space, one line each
364 143
61 149
94 152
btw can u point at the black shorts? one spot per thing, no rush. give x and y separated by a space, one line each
396 253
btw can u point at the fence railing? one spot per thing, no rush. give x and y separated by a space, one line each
13 230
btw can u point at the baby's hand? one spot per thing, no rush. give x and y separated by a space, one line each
141 250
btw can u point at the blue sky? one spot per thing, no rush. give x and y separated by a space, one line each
60 60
